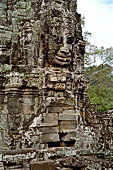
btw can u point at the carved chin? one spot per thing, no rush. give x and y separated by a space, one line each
62 61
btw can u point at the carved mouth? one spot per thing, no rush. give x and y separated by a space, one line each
62 58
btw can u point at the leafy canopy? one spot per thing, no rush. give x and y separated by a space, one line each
100 75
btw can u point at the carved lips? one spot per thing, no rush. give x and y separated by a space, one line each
63 57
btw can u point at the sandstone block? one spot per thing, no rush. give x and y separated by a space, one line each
55 109
62 78
28 100
67 116
69 137
56 86
26 109
52 78
64 109
70 101
43 165
59 86
50 120
67 128
70 112
49 129
67 122
49 137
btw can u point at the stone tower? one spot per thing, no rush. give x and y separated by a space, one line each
42 64
42 83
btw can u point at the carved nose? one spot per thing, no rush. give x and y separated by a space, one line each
64 50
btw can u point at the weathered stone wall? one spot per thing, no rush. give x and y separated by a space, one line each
43 101
42 82
52 159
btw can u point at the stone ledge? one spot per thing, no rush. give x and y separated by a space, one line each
16 152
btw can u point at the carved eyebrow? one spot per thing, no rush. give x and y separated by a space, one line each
59 2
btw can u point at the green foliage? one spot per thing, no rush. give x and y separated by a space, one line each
100 86
100 76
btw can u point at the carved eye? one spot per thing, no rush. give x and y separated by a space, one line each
42 37
70 40
60 40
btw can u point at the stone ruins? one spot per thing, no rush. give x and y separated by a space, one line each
46 120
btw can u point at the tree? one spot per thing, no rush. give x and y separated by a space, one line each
100 88
94 54
100 76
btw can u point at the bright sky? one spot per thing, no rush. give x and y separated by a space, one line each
98 20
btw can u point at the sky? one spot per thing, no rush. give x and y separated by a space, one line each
98 20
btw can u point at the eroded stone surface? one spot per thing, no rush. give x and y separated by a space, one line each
49 165
43 101
39 59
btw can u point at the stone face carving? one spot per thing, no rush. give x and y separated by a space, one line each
43 51
43 104
46 37
63 56
60 36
